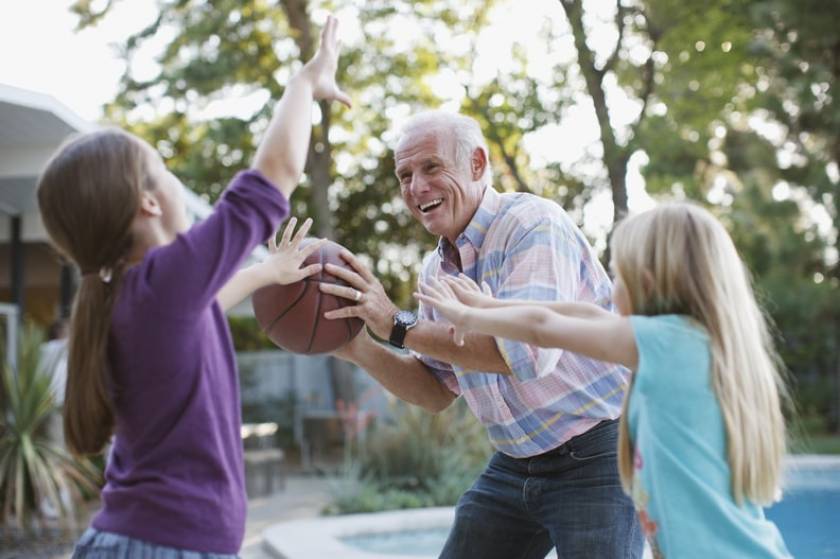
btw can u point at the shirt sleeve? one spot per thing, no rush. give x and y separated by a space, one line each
541 263
185 275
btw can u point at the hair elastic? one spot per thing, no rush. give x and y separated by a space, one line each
105 273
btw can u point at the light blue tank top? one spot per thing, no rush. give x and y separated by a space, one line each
681 483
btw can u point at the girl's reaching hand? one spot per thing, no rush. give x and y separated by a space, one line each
442 297
321 69
468 292
284 261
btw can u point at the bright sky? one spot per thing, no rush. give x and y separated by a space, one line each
43 53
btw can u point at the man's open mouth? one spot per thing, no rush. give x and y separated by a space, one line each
430 205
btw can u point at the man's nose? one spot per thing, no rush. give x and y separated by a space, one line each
418 184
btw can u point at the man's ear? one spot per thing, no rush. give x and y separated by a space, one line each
149 205
478 163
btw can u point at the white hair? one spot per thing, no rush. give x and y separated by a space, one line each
464 130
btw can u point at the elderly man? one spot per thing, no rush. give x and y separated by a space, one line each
551 415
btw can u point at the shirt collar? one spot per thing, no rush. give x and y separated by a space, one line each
479 224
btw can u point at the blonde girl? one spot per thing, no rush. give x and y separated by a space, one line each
151 359
702 435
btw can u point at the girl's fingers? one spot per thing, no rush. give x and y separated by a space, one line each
332 21
435 288
446 287
485 288
457 291
310 270
467 282
457 336
287 232
343 98
272 242
457 284
301 234
326 31
430 300
426 290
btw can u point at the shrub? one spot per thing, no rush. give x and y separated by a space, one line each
415 460
36 473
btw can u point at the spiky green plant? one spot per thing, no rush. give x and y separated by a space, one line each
36 473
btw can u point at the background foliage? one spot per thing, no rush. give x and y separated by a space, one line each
732 103
416 459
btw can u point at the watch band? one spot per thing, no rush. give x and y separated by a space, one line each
403 322
397 337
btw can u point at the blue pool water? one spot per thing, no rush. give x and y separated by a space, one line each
808 517
408 542
809 514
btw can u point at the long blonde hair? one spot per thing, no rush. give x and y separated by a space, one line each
679 259
88 196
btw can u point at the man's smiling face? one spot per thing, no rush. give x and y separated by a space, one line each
441 192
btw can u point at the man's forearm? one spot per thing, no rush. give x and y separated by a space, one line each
405 377
479 352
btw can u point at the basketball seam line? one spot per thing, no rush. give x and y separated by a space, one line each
317 321
286 310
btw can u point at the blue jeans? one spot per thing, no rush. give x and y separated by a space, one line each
106 545
569 498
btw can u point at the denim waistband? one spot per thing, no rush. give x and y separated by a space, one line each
600 428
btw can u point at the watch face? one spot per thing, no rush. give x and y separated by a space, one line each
405 318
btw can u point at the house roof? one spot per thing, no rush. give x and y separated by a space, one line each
32 126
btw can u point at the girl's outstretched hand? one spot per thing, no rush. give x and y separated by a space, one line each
321 69
468 292
441 296
284 261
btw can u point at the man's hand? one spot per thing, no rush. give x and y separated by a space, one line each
372 304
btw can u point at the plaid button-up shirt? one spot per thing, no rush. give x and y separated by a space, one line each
527 247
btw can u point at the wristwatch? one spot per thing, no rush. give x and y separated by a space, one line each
403 322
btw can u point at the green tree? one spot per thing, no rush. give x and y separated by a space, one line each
748 128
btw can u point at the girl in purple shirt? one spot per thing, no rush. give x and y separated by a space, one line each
151 359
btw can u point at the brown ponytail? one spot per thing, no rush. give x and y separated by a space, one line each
88 197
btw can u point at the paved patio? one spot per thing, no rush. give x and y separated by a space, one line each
304 497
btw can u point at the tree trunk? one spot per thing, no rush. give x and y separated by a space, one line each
319 168
615 156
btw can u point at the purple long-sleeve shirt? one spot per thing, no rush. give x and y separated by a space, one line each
176 473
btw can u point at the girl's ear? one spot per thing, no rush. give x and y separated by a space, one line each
149 205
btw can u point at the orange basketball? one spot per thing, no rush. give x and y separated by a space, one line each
292 316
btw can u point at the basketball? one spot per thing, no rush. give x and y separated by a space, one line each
292 316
